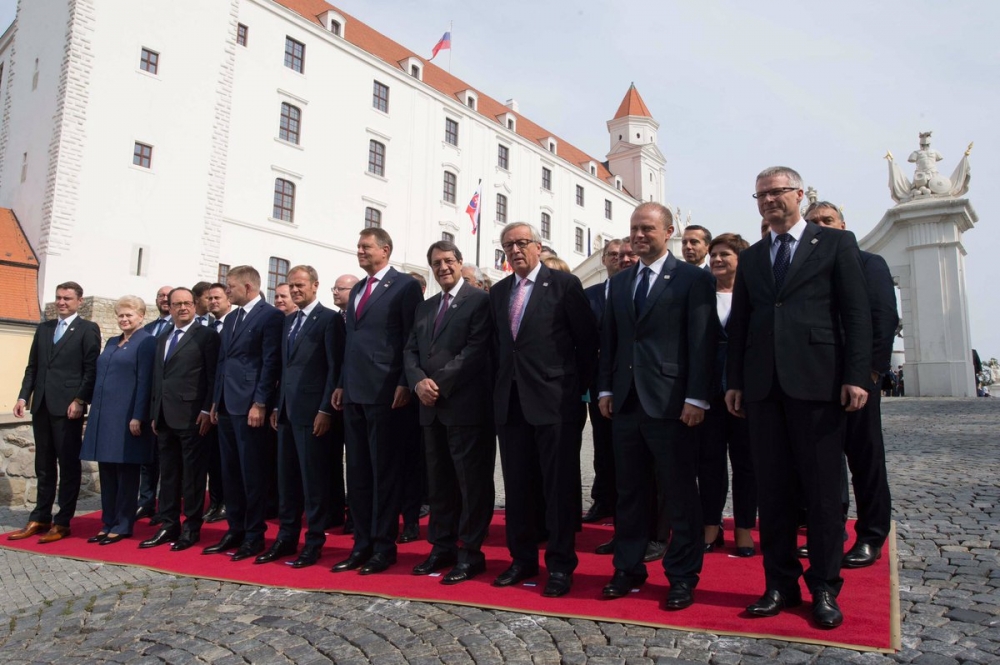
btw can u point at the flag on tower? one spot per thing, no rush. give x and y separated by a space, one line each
444 43
473 208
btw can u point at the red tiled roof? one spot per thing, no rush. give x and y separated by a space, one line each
633 105
18 272
368 39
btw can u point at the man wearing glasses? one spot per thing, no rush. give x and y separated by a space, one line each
799 358
545 338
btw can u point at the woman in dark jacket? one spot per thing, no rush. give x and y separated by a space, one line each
118 435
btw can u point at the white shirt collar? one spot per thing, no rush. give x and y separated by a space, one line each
796 231
380 275
70 319
533 275
308 309
454 290
657 265
253 303
185 328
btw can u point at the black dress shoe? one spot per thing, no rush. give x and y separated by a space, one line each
410 533
142 513
277 550
516 573
97 538
113 538
605 548
622 583
558 585
230 541
654 551
862 555
353 562
425 510
435 562
825 610
248 549
802 552
215 514
162 537
379 562
308 556
681 595
718 543
463 572
745 552
187 540
772 602
596 513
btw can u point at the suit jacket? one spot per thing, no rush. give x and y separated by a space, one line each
151 326
552 359
667 353
457 359
598 300
183 386
815 334
311 368
249 360
373 355
57 374
882 299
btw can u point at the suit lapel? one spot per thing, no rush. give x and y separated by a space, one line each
504 315
70 330
535 297
463 293
766 272
185 338
807 243
247 319
307 325
660 283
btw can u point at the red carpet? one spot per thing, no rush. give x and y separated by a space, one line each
728 584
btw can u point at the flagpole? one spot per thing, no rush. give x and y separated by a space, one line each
479 214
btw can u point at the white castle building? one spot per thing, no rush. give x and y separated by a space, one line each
150 143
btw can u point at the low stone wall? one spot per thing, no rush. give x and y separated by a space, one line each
18 483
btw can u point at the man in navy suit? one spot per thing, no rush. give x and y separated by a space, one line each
58 383
799 356
694 245
149 474
379 318
863 442
245 383
303 416
658 344
545 340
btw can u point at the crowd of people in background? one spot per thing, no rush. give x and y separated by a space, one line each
767 358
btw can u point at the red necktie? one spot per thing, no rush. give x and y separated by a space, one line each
364 297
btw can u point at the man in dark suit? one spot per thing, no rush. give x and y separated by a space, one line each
183 387
149 474
694 245
202 315
863 442
310 338
245 386
218 309
58 384
372 384
603 492
545 340
341 515
447 362
799 355
658 344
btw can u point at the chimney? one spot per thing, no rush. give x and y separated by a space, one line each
512 105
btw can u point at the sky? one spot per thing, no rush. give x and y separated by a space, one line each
826 88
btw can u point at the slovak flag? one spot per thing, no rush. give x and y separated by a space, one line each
473 208
444 43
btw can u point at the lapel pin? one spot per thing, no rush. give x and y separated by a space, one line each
666 277
814 241
545 283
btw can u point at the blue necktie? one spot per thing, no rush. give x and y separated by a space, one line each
641 291
294 332
782 260
60 330
173 343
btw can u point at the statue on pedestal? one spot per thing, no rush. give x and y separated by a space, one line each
927 182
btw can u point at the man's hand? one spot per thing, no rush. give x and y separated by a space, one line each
401 398
75 411
337 401
135 426
605 404
204 422
214 414
734 402
427 392
256 416
321 424
853 398
274 420
692 415
19 408
152 424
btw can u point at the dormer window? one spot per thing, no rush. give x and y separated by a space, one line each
618 183
592 168
334 22
552 145
508 120
414 66
470 98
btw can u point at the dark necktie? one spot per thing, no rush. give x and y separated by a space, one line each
242 314
202 320
782 260
294 332
217 325
641 291
173 343
364 297
440 317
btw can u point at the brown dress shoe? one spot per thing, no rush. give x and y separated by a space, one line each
28 531
55 533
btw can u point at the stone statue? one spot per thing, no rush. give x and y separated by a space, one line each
812 195
927 182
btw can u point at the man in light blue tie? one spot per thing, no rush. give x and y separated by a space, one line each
149 474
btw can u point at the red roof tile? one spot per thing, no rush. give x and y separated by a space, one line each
633 105
18 272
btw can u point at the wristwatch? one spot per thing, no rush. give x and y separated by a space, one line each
260 405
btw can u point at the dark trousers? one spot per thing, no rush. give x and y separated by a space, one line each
796 440
408 431
534 456
149 480
865 451
304 461
374 476
216 494
244 457
119 496
460 462
338 500
270 471
604 491
721 432
57 464
183 472
669 448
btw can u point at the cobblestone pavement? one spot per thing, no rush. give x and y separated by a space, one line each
942 457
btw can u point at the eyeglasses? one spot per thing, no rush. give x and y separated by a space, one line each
340 288
520 244
774 193
613 255
183 303
444 262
